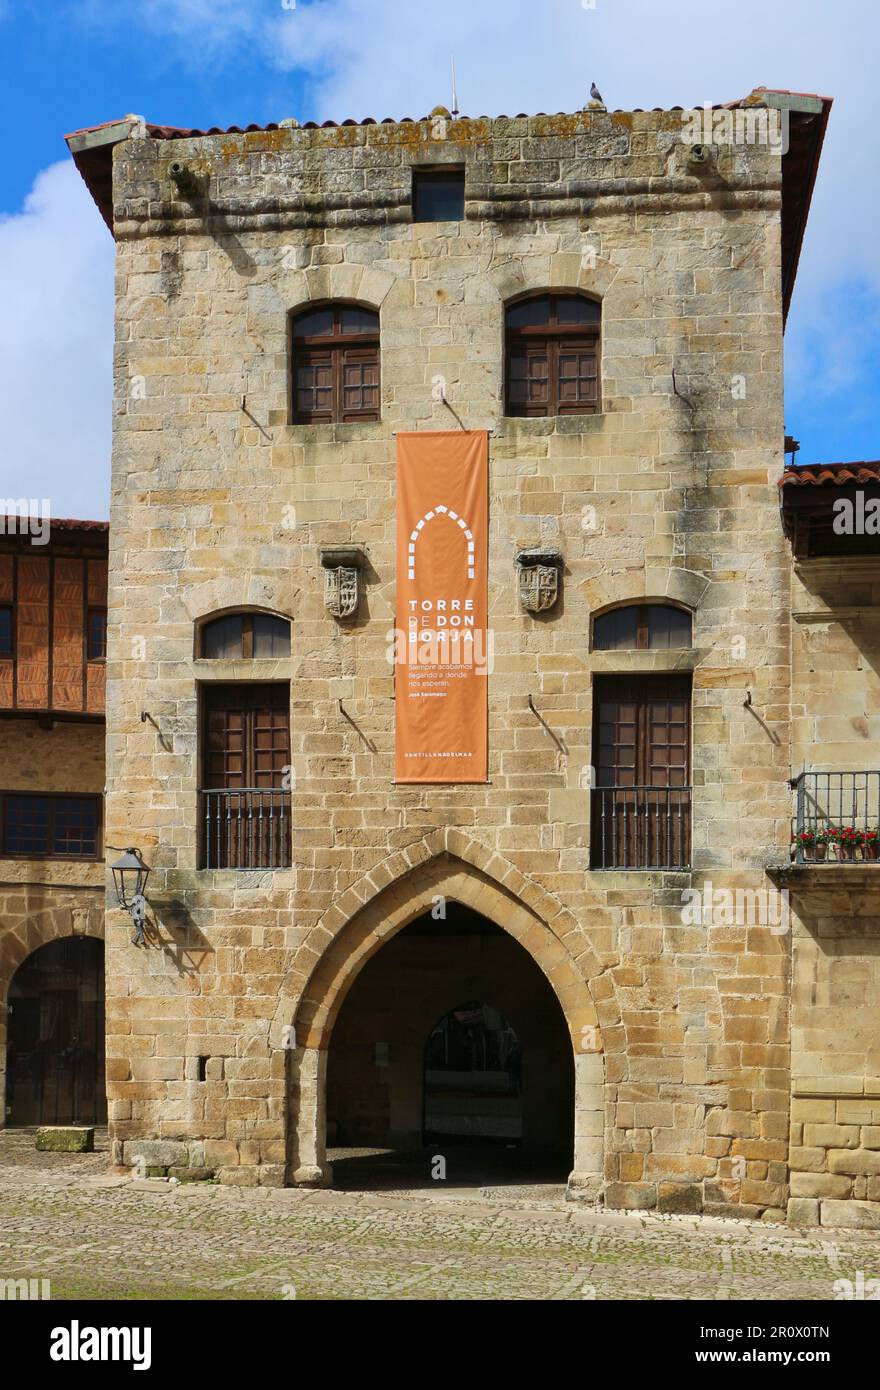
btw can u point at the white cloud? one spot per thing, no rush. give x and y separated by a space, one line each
56 288
391 57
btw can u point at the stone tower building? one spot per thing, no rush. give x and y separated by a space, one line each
587 954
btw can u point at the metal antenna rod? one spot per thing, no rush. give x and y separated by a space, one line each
454 111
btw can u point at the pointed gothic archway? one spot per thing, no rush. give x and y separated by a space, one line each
337 949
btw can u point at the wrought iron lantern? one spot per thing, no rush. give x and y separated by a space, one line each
130 875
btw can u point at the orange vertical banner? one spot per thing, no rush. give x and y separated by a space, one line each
442 638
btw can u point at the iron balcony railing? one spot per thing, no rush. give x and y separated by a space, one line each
837 817
248 828
640 828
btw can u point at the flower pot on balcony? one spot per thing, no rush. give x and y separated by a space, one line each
848 840
820 850
871 850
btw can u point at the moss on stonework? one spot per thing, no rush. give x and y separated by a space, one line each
66 1139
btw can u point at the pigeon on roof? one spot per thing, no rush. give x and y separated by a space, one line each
596 94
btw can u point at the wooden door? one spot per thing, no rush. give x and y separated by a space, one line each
246 777
55 1048
641 754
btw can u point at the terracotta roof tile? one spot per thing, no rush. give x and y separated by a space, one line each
837 474
171 132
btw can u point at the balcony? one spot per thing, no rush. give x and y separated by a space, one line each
837 818
248 828
640 828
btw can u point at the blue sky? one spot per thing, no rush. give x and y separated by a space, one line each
70 63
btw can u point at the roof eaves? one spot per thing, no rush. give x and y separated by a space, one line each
817 109
865 472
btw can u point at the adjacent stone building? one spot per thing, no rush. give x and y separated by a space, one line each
831 516
53 616
590 956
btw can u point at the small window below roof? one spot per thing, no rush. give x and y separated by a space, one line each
438 195
245 635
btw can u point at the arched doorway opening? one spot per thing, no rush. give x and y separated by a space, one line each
55 1037
450 1043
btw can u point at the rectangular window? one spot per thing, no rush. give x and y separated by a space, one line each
97 634
438 195
245 798
51 826
6 630
641 799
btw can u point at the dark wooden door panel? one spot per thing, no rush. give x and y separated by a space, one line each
641 753
246 759
55 1053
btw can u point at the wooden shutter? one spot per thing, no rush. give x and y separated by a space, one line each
247 736
552 375
245 758
315 385
335 365
529 384
577 377
641 753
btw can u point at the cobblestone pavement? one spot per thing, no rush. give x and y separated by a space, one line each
95 1235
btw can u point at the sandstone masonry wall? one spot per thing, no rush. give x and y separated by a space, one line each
670 492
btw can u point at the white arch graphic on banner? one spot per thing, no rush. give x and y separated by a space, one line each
440 510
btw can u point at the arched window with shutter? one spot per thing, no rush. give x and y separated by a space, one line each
334 355
552 349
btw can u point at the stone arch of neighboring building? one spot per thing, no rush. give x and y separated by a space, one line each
26 935
38 929
447 864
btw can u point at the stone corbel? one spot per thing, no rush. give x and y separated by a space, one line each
342 566
539 573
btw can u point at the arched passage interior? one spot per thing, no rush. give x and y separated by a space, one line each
499 1084
55 1035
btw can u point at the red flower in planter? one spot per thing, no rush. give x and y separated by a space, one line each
848 839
